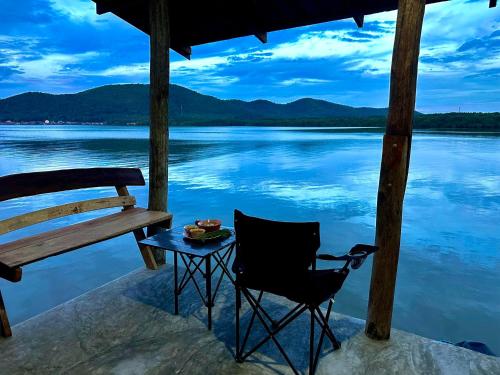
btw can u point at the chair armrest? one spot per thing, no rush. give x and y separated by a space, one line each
355 257
362 248
332 257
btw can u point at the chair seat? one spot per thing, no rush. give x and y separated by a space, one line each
30 249
310 288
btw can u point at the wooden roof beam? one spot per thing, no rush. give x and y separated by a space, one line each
101 8
106 6
360 20
197 25
183 51
261 36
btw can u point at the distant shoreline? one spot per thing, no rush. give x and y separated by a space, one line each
471 130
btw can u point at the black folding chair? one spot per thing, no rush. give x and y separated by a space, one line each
280 258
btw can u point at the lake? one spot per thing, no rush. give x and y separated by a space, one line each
448 284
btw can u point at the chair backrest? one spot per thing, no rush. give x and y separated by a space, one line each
29 184
266 248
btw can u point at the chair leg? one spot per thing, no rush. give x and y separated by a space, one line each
238 298
238 307
249 328
325 331
5 330
271 332
323 321
316 315
311 342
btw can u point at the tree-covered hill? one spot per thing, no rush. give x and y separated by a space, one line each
129 104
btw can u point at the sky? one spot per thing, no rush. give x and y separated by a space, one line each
61 46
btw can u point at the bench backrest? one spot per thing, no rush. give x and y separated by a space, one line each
29 184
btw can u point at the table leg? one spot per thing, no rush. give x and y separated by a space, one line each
209 289
176 288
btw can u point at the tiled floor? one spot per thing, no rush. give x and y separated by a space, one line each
128 327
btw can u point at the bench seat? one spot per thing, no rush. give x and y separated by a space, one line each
34 248
18 253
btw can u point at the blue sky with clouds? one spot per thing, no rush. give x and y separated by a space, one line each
61 46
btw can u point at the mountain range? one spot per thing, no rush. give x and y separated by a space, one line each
129 104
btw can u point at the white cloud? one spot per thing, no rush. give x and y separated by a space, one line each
51 65
367 51
310 45
440 39
213 80
76 10
29 65
186 67
132 70
200 71
304 81
334 43
30 62
177 68
203 71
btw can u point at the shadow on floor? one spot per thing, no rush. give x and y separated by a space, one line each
157 291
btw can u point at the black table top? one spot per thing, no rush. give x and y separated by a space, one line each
173 240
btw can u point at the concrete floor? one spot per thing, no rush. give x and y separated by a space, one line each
128 327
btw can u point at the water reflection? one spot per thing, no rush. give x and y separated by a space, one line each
448 283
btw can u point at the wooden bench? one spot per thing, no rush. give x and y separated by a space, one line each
16 254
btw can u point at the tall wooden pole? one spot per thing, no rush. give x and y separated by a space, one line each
159 90
394 168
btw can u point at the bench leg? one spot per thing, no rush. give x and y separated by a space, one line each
160 256
146 251
5 330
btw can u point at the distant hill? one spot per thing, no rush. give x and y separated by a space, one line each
129 104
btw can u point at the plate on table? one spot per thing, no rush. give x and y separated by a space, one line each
214 236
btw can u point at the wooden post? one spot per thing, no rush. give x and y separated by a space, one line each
159 90
394 168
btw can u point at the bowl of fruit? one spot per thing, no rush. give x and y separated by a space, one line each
206 231
193 231
209 225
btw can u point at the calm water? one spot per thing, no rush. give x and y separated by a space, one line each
449 275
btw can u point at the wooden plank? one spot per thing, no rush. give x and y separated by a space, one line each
50 213
31 249
394 167
28 184
13 275
146 251
5 330
159 23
